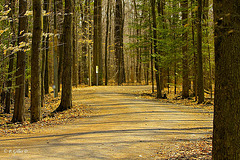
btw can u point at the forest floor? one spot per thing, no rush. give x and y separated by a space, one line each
112 122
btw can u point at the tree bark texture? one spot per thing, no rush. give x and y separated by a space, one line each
66 98
35 62
60 16
85 18
226 130
55 53
185 71
44 38
19 105
46 75
119 40
75 55
159 92
200 86
97 43
106 44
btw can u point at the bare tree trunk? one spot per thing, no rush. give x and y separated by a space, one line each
44 38
185 72
46 76
75 57
85 19
60 16
194 56
119 41
11 58
66 98
55 52
226 139
206 5
199 52
97 44
35 62
19 106
159 91
106 45
89 47
152 59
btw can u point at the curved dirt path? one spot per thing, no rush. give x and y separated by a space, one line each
122 126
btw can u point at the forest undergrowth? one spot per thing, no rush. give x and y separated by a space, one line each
8 128
177 99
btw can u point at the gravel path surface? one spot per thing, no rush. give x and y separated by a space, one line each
122 126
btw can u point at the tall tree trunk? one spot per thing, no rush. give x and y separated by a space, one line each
55 52
89 47
175 74
106 45
66 98
160 8
159 91
185 72
60 15
119 41
226 124
206 6
11 58
46 76
138 52
122 51
19 105
75 57
199 52
27 85
85 43
194 54
152 57
175 17
35 62
97 43
44 38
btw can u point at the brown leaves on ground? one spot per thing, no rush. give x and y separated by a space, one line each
177 99
77 111
200 149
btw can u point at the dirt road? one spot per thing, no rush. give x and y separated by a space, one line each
122 126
